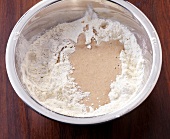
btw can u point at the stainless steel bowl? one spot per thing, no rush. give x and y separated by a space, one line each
49 13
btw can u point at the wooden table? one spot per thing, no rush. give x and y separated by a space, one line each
151 120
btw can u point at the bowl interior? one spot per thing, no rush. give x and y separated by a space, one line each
59 12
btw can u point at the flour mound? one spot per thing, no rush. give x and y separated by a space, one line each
46 67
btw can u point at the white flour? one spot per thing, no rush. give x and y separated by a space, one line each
46 68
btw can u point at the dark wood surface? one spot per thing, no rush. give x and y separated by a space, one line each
151 120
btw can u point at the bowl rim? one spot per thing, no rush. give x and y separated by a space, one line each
155 71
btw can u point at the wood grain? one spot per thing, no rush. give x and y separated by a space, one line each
151 120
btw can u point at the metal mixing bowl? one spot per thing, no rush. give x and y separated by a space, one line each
49 13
